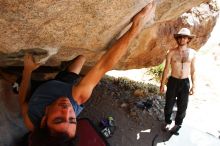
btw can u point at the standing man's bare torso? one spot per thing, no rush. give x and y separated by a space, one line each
181 60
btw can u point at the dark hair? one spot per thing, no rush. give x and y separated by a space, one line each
190 39
43 137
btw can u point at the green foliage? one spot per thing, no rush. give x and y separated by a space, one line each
157 71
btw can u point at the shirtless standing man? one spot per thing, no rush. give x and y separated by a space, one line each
182 60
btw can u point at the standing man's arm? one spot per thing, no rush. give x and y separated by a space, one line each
165 72
193 76
83 90
29 66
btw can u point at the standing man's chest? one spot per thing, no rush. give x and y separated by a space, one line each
182 56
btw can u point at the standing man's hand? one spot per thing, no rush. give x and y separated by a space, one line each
162 88
192 91
29 63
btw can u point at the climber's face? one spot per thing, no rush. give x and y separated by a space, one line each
61 117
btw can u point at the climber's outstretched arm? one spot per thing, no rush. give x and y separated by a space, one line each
83 90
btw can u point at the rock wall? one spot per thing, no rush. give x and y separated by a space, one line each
56 31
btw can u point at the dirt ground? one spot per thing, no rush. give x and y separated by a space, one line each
132 130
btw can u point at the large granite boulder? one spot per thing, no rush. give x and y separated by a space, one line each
56 31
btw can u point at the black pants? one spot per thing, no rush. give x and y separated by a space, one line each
177 92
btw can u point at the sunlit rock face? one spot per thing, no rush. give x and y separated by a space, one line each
56 31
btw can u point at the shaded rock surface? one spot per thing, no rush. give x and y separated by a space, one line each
12 128
56 31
